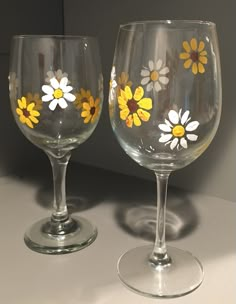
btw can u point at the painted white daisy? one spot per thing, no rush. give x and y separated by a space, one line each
178 130
155 76
113 84
57 74
58 93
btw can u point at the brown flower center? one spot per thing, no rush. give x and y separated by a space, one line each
92 110
154 75
26 113
194 56
132 105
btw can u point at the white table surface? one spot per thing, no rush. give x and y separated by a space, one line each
200 224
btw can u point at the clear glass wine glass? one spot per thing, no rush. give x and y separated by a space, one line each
56 92
165 106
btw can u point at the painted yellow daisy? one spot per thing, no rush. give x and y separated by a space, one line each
195 55
133 106
81 97
34 98
123 81
90 110
27 113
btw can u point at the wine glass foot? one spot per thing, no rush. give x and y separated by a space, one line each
82 234
182 276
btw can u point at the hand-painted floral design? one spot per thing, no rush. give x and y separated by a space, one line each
133 106
34 98
123 81
81 97
113 84
58 93
155 76
195 55
90 110
178 130
27 113
57 74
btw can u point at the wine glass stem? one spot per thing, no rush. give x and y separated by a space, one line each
159 256
59 166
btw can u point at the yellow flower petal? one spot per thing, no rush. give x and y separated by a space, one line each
187 63
144 115
124 113
203 59
85 113
97 101
129 121
201 68
19 111
29 123
22 103
138 94
145 103
137 121
30 106
122 101
87 119
184 55
194 68
86 106
186 46
22 119
34 113
203 53
33 119
201 46
122 107
91 101
193 44
123 95
128 93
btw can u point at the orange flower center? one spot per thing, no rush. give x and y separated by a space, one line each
194 56
154 75
178 131
132 106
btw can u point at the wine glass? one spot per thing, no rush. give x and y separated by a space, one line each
56 97
165 106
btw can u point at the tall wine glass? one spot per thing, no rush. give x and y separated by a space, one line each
165 105
56 98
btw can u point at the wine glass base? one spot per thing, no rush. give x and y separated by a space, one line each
84 235
182 276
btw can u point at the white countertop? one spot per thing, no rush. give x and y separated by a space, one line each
115 203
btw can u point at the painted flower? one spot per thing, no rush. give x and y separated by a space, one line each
35 98
178 130
194 56
113 84
123 81
27 113
90 110
133 106
155 76
58 93
57 74
81 97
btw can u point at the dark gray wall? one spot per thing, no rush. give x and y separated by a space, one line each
21 17
214 172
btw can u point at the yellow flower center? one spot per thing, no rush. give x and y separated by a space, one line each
154 75
178 131
58 93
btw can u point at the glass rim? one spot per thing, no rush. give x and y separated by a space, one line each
53 36
125 26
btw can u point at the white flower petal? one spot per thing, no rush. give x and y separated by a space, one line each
47 89
70 97
63 83
53 104
168 123
62 103
183 143
145 80
164 71
157 86
173 117
47 98
163 79
145 73
113 72
54 83
151 65
150 86
164 128
158 64
192 126
50 74
174 143
67 89
192 137
165 138
184 117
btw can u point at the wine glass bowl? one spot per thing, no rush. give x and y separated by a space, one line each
56 98
165 106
